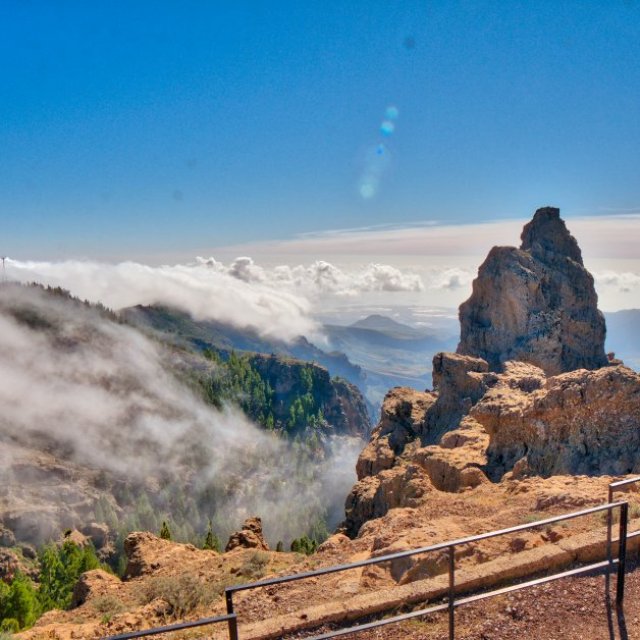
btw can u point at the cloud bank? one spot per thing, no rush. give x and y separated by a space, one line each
276 301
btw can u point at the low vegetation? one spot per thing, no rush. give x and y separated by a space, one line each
22 601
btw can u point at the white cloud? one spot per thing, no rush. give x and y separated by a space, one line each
321 277
207 290
624 281
450 278
275 301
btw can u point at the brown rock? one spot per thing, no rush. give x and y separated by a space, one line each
249 537
7 537
91 584
460 382
373 496
402 416
536 304
98 532
583 422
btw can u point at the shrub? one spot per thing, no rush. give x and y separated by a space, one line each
108 604
8 627
182 593
304 545
254 567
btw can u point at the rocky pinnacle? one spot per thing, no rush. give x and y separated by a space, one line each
535 304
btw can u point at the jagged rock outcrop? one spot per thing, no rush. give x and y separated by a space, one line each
148 554
535 304
516 424
93 584
582 422
401 421
249 537
527 394
459 383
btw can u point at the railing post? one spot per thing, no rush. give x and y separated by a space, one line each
622 553
452 592
609 526
233 622
233 628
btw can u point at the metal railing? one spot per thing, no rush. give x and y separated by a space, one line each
450 546
230 618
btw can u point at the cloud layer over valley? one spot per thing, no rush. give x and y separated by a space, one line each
99 394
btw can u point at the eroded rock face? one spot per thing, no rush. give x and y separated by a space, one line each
535 304
582 422
494 427
401 421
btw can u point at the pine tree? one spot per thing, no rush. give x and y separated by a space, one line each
165 532
211 541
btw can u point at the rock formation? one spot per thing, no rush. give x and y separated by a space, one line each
535 304
526 395
249 537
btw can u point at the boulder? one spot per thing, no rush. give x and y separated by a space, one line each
91 584
249 537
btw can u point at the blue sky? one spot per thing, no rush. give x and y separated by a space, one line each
131 129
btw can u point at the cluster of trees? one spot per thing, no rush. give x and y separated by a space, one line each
22 601
235 380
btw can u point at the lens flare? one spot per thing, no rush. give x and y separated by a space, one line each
391 113
387 128
368 188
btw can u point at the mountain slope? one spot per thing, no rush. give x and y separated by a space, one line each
101 424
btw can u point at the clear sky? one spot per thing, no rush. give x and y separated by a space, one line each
411 134
134 128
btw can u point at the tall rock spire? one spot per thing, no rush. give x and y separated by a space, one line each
535 304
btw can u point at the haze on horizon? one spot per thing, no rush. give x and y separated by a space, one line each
411 137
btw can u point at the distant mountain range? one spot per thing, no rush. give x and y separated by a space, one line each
375 353
390 353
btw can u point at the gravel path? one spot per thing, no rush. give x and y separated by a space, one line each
568 609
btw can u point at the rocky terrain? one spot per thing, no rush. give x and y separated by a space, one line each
529 419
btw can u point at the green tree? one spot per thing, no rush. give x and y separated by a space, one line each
165 532
60 568
211 540
21 603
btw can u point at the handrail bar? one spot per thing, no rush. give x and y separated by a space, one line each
469 599
411 552
231 618
621 483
